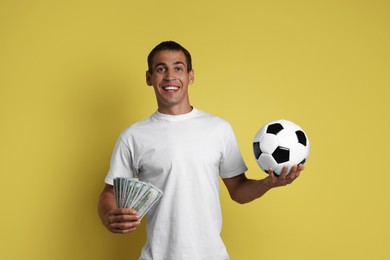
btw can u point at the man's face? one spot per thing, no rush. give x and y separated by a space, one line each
170 80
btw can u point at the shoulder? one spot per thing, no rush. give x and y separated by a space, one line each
215 125
135 128
215 120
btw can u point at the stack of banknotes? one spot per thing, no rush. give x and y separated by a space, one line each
135 194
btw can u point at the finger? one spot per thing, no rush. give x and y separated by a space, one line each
293 172
123 231
124 211
300 168
297 170
122 218
284 173
272 174
124 225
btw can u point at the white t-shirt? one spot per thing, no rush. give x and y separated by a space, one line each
183 155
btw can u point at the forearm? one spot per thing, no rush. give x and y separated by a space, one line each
249 190
106 202
244 190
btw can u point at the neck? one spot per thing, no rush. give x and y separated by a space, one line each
175 110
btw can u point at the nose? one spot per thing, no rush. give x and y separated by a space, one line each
169 75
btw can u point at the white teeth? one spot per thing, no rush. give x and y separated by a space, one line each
170 88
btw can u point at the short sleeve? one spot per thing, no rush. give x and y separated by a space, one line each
232 163
121 164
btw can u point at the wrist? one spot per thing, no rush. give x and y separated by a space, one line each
267 183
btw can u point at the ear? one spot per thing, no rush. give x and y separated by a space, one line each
191 74
148 78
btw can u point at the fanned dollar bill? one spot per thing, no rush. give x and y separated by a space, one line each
135 194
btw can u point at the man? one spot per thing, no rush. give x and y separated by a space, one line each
183 151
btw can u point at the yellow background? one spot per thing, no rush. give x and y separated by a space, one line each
72 78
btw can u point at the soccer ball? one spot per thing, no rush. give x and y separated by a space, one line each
280 143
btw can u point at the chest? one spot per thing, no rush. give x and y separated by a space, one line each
178 146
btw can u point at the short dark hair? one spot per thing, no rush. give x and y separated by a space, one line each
169 45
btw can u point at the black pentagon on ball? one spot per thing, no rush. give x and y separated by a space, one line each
281 154
256 150
274 128
301 137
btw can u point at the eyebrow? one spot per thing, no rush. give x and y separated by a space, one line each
175 63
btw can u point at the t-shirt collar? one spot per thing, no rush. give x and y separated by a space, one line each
174 118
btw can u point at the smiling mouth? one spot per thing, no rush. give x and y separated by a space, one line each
170 88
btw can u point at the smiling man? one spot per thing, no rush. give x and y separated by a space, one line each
184 152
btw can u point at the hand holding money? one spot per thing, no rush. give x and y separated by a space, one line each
122 221
123 205
134 194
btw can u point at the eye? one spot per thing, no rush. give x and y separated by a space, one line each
160 69
179 69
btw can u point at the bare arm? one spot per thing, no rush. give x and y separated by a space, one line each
115 219
244 190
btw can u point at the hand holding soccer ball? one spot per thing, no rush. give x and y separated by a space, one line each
284 178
